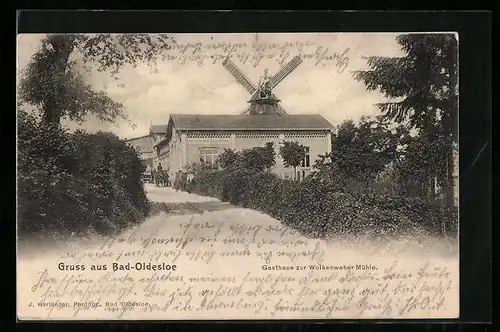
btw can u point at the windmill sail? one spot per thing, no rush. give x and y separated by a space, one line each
262 101
287 69
239 76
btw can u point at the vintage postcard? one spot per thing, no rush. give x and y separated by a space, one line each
236 176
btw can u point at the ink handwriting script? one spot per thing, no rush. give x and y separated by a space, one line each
254 53
211 266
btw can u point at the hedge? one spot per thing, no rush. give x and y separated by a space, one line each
320 208
76 182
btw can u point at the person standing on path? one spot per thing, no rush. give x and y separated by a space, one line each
189 181
159 173
165 178
153 175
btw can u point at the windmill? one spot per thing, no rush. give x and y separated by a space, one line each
263 101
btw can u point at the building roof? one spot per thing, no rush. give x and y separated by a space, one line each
161 143
250 122
142 144
136 138
158 129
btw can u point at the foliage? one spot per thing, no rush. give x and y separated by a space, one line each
293 154
258 158
426 82
227 159
421 162
426 78
53 85
75 182
78 182
63 93
361 153
113 51
320 207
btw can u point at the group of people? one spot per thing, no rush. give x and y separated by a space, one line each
160 177
186 179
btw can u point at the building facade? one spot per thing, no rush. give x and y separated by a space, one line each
157 134
144 147
202 138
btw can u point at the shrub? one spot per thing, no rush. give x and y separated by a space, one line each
320 207
76 182
228 158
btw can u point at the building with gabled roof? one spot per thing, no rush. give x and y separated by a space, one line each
158 129
157 134
144 147
192 138
245 122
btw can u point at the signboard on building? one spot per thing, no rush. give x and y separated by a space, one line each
209 140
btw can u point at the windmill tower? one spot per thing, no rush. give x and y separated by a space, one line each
263 101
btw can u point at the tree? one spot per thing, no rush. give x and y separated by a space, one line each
293 154
362 152
51 83
258 158
419 163
227 159
426 82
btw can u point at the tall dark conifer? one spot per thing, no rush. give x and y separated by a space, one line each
423 90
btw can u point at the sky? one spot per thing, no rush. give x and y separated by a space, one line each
188 88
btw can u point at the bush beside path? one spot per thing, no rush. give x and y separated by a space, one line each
321 208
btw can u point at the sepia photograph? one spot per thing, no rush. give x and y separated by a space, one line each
237 176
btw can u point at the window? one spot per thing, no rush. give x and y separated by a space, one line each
208 155
306 162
